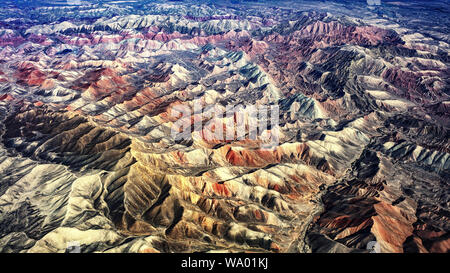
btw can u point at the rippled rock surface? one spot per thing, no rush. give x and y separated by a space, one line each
88 101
